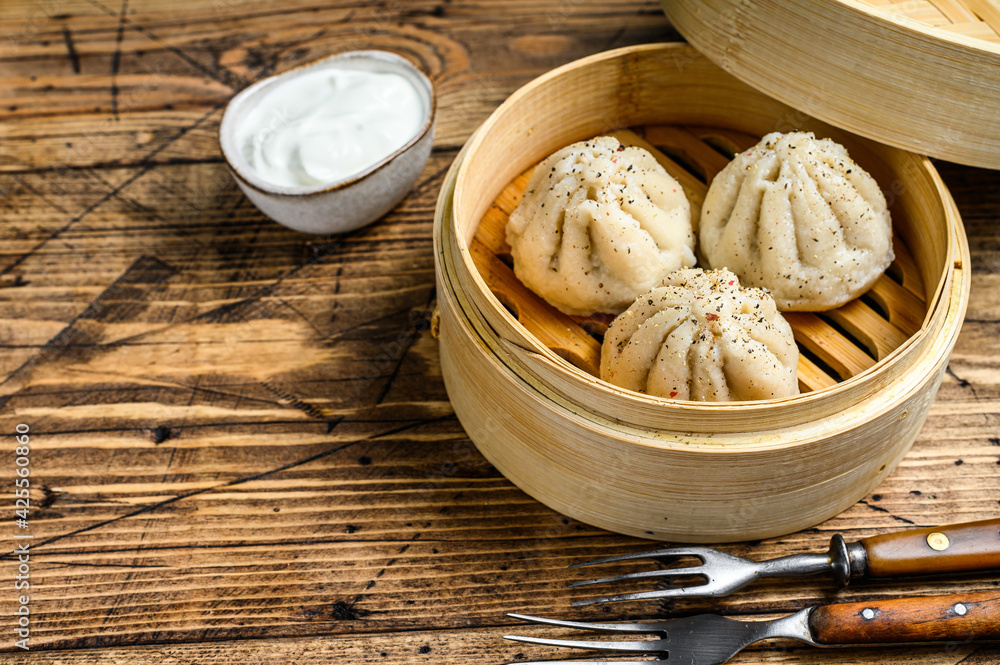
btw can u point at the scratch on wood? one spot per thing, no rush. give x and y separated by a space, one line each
124 161
962 383
883 510
74 58
395 370
336 292
310 410
411 336
85 564
388 564
614 38
144 270
367 323
301 316
223 76
979 657
145 167
232 483
34 190
318 251
117 57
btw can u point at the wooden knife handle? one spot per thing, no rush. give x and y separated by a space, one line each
945 549
970 616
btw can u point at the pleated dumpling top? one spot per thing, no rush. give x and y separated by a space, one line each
599 224
701 336
797 216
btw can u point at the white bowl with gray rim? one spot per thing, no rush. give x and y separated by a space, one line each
341 205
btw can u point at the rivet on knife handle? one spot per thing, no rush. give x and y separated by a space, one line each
948 549
970 616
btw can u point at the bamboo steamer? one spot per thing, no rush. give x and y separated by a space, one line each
664 469
923 75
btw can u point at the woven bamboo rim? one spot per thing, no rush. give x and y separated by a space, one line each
922 75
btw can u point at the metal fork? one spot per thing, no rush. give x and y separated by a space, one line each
707 639
723 573
957 548
711 639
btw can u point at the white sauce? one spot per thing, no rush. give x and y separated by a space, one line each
329 124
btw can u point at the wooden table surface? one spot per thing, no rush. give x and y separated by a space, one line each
241 449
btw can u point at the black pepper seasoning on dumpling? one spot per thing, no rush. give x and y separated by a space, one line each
797 216
599 224
701 336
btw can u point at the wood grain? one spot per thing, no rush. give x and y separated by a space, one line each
242 451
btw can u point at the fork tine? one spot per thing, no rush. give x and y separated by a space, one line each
699 552
668 572
618 627
641 646
676 592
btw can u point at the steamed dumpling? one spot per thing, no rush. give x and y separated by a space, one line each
598 225
795 215
700 336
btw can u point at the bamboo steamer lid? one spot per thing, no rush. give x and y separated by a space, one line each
667 469
923 75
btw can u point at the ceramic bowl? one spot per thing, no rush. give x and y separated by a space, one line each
346 204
